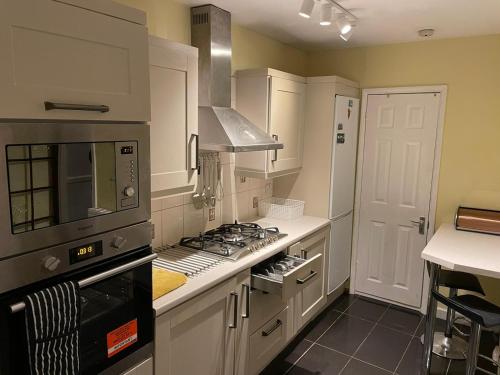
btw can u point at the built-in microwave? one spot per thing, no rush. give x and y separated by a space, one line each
67 181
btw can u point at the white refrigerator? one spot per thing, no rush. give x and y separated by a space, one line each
342 185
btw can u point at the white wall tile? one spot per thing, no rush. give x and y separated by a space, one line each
173 225
173 201
242 206
229 208
218 217
228 179
193 220
156 204
242 184
156 220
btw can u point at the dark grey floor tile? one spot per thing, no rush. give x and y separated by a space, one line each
287 358
319 325
401 319
367 309
344 301
355 367
346 334
440 325
320 360
384 348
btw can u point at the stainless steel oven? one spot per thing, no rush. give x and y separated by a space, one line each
116 296
66 181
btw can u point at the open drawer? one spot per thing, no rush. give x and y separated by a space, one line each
271 277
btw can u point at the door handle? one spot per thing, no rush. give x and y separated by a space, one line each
234 323
246 314
421 224
275 157
49 106
196 167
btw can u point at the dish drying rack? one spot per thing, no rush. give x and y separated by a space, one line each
188 262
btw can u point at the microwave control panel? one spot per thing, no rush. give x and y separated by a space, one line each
127 185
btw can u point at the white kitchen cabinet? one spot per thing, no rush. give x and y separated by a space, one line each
73 60
199 337
311 293
143 368
275 102
174 116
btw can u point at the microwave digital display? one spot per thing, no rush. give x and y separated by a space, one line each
81 253
127 150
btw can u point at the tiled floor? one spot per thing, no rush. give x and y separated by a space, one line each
360 336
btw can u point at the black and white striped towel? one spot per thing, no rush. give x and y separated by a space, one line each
52 329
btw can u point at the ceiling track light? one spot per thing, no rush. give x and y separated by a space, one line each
306 8
343 24
345 37
326 15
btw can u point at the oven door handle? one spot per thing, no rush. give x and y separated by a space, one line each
20 306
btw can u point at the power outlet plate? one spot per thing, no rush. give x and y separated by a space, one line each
211 214
255 202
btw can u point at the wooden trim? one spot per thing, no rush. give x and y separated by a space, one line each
441 89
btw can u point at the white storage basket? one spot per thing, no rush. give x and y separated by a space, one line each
281 208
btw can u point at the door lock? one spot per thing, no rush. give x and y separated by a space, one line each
421 224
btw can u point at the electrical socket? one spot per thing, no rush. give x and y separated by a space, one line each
211 214
255 202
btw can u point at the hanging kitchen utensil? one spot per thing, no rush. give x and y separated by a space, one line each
219 191
213 170
197 198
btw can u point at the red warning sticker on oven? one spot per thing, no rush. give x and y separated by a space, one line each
122 337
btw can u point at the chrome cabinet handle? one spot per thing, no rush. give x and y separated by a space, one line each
421 224
272 329
234 324
275 157
49 106
197 153
303 253
246 314
307 278
99 277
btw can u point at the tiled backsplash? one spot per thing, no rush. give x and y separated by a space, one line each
176 216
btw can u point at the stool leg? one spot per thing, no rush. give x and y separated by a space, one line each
474 339
450 315
430 319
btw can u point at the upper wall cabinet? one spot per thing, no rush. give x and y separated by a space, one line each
174 116
73 59
274 101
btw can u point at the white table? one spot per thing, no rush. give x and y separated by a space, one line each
456 250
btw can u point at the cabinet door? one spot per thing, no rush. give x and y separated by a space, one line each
143 368
174 116
243 331
286 123
311 295
198 337
95 65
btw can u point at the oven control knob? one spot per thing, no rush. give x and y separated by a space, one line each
51 263
129 191
118 242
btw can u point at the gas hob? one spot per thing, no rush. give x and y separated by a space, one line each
233 241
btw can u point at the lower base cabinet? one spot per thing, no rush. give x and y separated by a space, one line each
143 368
199 336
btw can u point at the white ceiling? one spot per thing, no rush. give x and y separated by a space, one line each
379 21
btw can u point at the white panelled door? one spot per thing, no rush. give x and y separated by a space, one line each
398 161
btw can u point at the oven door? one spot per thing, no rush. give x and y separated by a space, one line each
117 318
66 181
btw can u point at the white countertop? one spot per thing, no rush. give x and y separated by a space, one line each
295 230
457 250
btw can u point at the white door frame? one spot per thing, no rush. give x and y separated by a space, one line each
441 89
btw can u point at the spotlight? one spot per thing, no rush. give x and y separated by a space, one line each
306 8
345 37
326 15
343 24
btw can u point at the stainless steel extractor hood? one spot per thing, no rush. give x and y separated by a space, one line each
221 128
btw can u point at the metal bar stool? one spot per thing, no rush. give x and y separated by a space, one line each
445 344
481 314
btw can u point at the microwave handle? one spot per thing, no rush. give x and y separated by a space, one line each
16 307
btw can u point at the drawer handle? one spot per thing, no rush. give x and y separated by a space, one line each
307 278
234 324
76 107
246 314
278 324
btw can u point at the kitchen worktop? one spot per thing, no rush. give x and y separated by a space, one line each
295 230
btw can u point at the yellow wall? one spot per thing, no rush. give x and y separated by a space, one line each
169 19
470 161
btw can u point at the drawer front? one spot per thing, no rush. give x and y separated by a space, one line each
293 281
268 341
263 307
50 69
